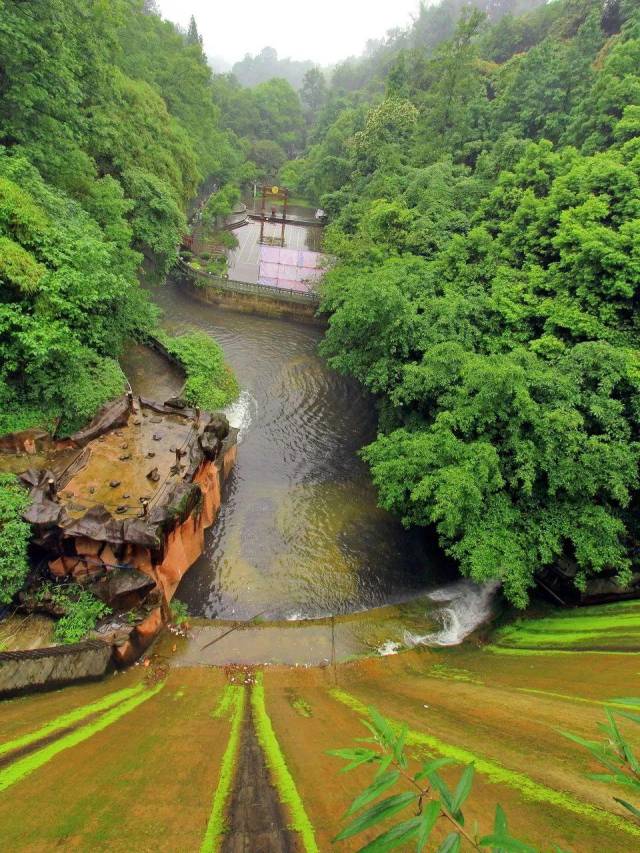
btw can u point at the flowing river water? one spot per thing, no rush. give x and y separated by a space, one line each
299 534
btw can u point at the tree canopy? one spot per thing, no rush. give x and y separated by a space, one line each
108 125
483 193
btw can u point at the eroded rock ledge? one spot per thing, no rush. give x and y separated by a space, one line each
126 517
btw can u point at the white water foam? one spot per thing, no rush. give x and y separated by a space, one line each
389 647
468 605
241 413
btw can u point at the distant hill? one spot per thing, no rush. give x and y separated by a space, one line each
265 66
218 64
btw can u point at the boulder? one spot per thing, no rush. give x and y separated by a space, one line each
123 589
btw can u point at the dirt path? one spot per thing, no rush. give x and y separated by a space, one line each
257 822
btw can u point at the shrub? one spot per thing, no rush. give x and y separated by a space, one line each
229 240
14 537
210 382
179 612
82 610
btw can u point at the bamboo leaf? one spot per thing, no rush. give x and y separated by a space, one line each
381 811
382 726
385 761
591 745
441 786
428 820
398 747
378 787
629 715
394 837
634 811
463 789
356 757
451 844
505 843
500 826
431 767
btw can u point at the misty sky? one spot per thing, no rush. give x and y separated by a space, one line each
324 31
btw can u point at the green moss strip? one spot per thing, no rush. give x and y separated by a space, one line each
24 766
226 703
506 650
498 774
578 699
217 826
281 776
70 718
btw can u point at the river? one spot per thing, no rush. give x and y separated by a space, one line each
299 533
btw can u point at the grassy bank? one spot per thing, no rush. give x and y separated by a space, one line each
210 382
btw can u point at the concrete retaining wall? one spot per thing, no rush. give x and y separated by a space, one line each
48 669
253 300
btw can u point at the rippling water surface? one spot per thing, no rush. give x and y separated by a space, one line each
299 533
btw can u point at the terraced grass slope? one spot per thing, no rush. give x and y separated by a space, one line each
208 759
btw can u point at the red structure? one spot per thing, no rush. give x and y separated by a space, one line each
268 196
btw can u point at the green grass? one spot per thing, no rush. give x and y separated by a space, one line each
281 776
24 766
233 698
70 718
613 626
497 773
226 703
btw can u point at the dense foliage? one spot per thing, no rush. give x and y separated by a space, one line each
210 383
108 125
14 537
485 211
80 609
267 119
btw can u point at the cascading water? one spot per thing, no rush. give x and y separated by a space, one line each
242 413
468 605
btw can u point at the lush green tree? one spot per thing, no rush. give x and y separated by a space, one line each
193 36
108 125
314 91
14 537
279 115
486 292
268 156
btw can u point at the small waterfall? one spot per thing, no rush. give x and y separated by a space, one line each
241 413
468 605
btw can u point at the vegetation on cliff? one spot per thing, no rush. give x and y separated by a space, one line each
108 125
210 384
14 537
484 197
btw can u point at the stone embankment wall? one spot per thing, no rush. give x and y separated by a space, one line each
252 299
47 669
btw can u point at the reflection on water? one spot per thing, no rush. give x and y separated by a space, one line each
299 533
